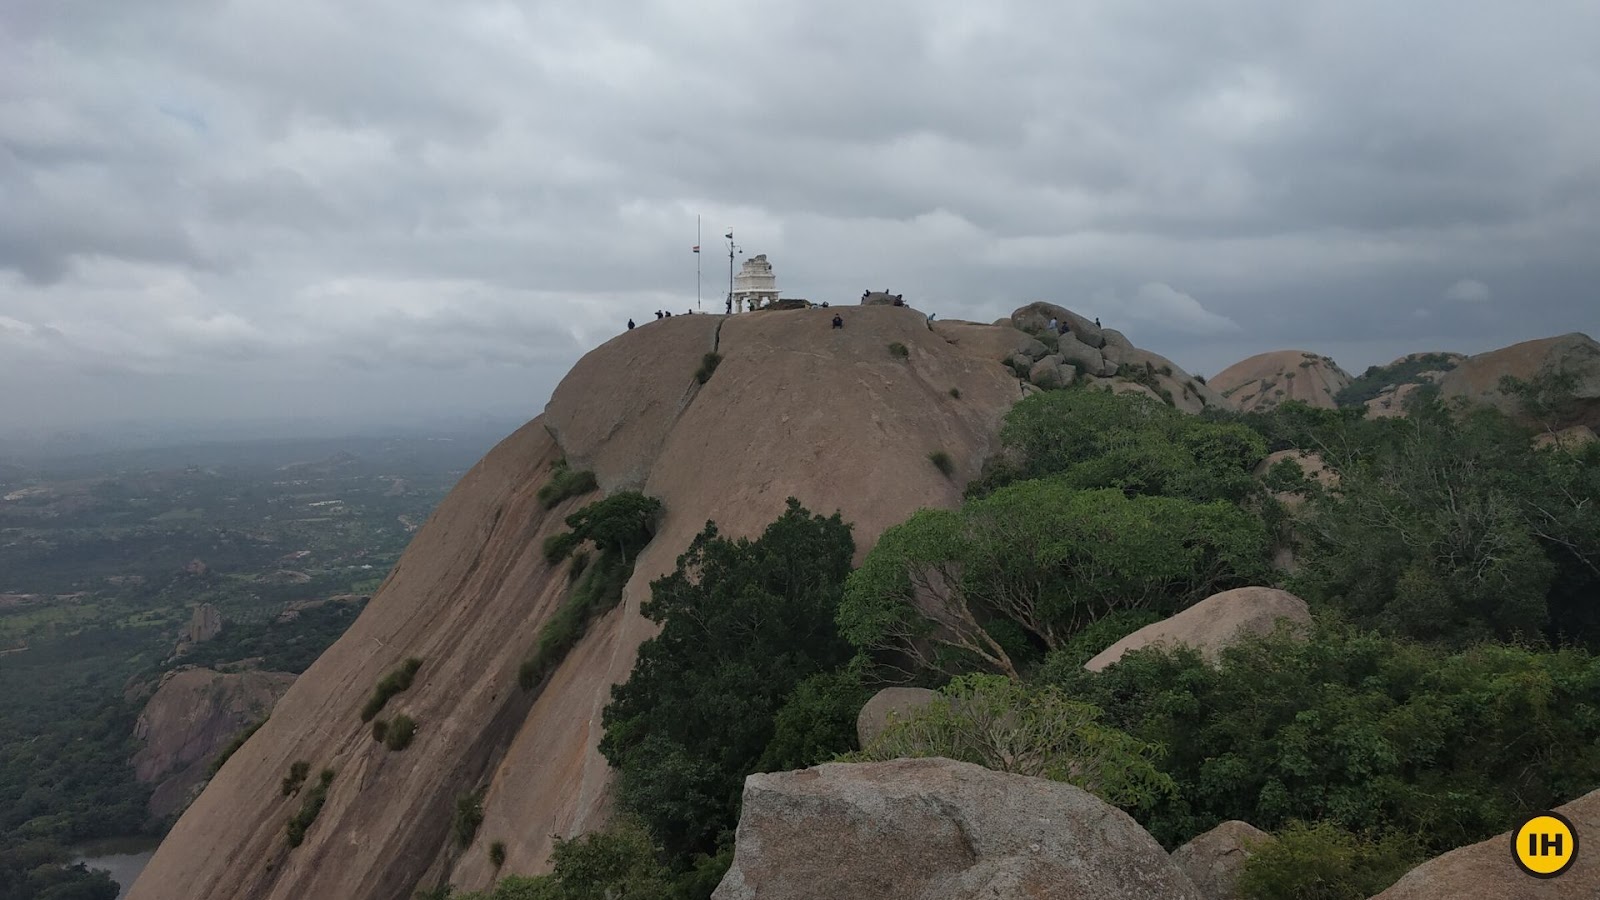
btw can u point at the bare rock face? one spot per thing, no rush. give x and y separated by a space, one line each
1485 869
934 829
990 341
205 624
1214 860
1213 624
1575 355
795 408
1267 379
896 703
193 716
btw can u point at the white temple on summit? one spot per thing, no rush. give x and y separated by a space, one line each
755 285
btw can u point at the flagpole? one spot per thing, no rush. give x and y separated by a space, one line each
697 303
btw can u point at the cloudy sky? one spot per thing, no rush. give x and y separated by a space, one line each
244 208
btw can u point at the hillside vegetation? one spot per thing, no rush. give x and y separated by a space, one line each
1448 685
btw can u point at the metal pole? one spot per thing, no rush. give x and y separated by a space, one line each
730 264
697 304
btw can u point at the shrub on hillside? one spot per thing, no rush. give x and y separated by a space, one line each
396 682
708 365
380 729
1004 725
558 546
310 807
941 461
298 770
899 350
400 732
955 393
497 854
566 482
1326 862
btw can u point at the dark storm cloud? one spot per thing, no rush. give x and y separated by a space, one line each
325 206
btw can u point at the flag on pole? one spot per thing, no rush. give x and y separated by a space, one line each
697 248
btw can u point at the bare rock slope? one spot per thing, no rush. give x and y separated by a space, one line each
1267 379
1573 356
192 716
795 408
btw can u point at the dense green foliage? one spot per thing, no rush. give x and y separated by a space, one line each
1449 526
708 365
1325 862
310 807
1096 439
1368 732
1004 725
396 682
816 722
619 527
743 623
38 869
566 482
1008 576
1370 384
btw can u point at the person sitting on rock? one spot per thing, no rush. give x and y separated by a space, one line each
630 324
838 320
1097 321
658 313
1053 323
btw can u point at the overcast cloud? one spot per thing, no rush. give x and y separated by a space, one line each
378 210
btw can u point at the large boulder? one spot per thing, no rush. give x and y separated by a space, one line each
888 705
1213 624
1087 359
1052 372
1037 316
934 829
1568 439
1485 869
1214 860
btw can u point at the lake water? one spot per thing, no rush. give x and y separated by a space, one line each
124 859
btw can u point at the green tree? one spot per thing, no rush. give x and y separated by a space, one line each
1325 862
743 623
1095 439
944 589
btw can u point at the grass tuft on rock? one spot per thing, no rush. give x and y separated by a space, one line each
393 683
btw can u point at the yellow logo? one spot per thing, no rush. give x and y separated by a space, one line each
1545 845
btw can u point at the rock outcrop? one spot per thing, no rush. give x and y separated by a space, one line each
1485 869
1213 624
192 716
1577 356
934 829
205 624
1267 379
895 702
1214 860
795 408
